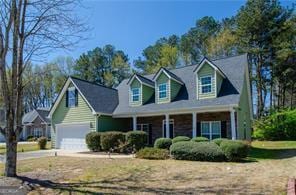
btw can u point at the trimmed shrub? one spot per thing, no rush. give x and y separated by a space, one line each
42 143
197 151
180 139
219 140
234 150
136 139
200 139
163 143
153 154
93 141
31 138
277 126
111 139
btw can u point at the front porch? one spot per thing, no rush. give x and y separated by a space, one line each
209 124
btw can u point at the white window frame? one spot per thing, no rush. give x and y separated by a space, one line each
71 90
37 132
142 126
210 126
206 85
135 95
171 121
163 91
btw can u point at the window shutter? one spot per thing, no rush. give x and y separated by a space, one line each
198 131
67 98
76 97
223 129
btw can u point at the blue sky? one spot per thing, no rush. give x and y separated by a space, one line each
133 25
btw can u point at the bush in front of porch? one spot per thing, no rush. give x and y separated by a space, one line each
153 154
163 143
180 139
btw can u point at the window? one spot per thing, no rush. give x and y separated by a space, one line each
162 90
206 84
71 97
211 129
171 128
135 94
37 132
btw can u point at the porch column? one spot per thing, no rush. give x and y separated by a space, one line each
167 125
194 124
233 126
134 123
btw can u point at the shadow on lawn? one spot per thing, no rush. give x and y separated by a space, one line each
263 153
119 186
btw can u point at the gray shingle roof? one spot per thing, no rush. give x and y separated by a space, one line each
169 73
31 116
102 99
142 79
232 67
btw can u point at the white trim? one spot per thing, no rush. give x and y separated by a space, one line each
203 109
166 90
194 124
211 64
80 123
233 125
201 85
167 126
134 123
136 76
210 128
57 102
163 70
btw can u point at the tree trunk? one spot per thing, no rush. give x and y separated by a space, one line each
11 151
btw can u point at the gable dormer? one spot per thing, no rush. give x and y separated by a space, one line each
167 86
209 79
141 90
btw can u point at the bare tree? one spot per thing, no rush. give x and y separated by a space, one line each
29 28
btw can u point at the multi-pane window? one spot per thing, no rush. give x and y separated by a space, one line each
206 84
211 129
135 94
71 97
37 132
162 90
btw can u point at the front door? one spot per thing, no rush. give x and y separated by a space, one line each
171 128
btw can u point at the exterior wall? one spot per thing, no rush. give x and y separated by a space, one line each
219 80
216 116
156 125
162 79
182 125
135 84
243 115
147 93
28 129
206 70
80 113
175 88
107 123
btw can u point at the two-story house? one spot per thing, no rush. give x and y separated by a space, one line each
211 99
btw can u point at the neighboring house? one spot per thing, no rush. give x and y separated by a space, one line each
211 99
36 124
2 123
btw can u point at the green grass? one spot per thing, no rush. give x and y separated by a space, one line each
262 150
25 147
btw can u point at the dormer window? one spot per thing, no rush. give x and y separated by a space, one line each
206 84
135 94
162 90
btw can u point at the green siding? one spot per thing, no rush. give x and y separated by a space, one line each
206 70
107 123
162 79
135 84
175 88
147 93
219 79
243 114
81 113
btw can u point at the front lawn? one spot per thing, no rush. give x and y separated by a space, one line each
25 147
52 175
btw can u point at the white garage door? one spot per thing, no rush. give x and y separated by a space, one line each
72 136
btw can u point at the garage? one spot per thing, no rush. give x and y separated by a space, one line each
72 136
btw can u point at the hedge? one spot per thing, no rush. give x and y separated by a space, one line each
234 150
136 139
163 143
180 138
42 143
93 141
153 154
200 139
111 139
197 151
219 140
